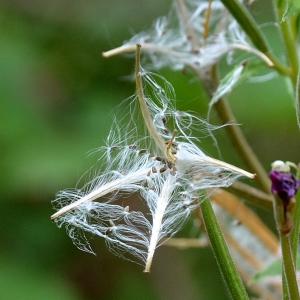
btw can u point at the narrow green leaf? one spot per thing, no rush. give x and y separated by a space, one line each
292 8
273 269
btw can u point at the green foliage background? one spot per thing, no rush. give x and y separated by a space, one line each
56 99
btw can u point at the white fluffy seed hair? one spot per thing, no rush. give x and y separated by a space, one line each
188 36
132 163
179 39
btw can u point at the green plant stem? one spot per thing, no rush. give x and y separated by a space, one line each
248 24
288 275
296 229
294 238
291 47
243 17
221 253
288 39
285 292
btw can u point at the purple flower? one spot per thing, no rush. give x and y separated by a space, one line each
284 184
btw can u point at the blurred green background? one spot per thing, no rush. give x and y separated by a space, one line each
56 99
